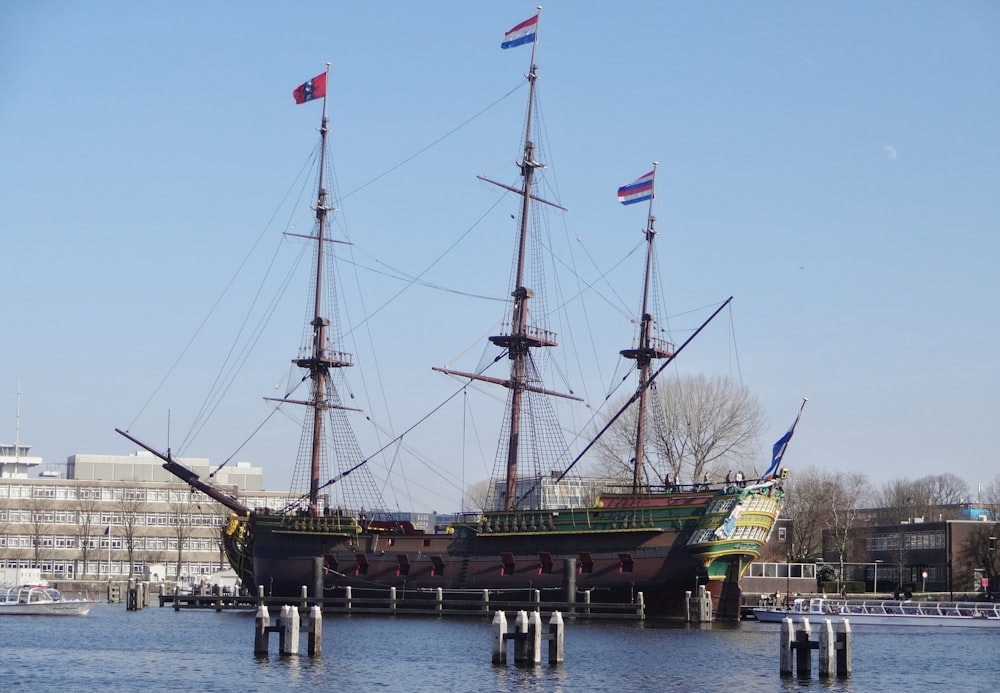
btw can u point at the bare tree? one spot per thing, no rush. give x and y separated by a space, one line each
132 505
39 523
847 496
947 490
477 495
938 496
182 508
807 505
700 426
895 501
88 509
990 500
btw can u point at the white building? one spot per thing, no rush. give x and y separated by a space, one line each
83 525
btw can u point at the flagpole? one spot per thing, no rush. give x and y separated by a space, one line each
652 194
538 21
327 90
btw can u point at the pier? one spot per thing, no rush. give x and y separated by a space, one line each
437 602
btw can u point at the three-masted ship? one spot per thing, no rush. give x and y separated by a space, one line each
650 538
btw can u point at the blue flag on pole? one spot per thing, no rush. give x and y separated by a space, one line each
779 448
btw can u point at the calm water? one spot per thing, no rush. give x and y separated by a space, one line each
157 649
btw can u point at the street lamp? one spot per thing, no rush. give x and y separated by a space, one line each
788 576
875 566
924 588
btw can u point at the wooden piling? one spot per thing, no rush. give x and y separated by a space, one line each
534 639
556 638
521 637
844 638
288 636
834 649
827 645
315 640
499 634
569 579
527 636
803 656
785 647
262 629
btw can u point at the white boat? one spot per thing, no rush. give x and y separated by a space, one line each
877 612
42 600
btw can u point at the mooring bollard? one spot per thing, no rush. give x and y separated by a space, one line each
288 628
499 634
439 604
700 605
288 636
347 598
262 628
556 638
315 642
834 649
527 636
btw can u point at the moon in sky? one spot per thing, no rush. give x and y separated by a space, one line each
889 151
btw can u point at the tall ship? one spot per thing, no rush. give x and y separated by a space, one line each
662 538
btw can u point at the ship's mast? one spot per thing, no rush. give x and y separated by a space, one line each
523 336
649 348
320 359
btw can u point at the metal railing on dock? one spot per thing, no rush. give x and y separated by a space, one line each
439 602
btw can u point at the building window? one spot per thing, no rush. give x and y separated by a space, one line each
782 534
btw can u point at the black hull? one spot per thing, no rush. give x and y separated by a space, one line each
613 567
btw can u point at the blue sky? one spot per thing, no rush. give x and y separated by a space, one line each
833 166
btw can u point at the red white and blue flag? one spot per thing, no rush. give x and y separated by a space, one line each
637 191
313 89
521 34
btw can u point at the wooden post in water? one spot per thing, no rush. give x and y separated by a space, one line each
288 636
640 600
318 577
262 626
844 638
831 647
315 641
826 648
392 600
785 647
533 641
569 580
439 602
499 634
803 656
586 603
305 598
132 596
687 605
486 601
347 598
521 637
556 638
704 605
